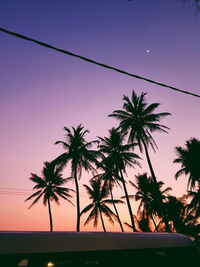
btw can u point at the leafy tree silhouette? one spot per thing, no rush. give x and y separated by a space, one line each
49 187
98 194
81 156
120 156
189 158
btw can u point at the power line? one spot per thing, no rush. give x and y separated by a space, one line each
11 188
14 191
22 192
96 63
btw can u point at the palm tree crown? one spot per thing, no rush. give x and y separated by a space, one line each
117 153
78 150
99 194
49 186
147 194
139 120
189 158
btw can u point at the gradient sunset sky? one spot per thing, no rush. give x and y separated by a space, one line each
41 90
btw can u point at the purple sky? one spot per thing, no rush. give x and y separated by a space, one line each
42 90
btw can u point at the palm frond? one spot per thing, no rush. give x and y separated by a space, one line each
87 208
34 195
36 200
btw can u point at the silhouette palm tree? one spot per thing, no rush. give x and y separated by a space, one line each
189 158
109 177
120 157
98 194
49 187
79 153
194 205
194 3
179 214
181 217
143 194
139 120
150 204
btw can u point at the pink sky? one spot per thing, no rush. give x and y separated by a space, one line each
41 91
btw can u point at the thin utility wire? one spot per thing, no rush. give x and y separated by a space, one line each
11 188
22 191
96 63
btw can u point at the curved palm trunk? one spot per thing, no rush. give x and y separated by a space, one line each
77 200
115 208
167 227
149 161
103 225
128 203
50 215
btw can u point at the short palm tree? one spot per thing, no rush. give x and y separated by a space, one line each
194 205
99 194
140 121
179 214
189 158
49 186
82 157
120 156
150 204
143 194
109 177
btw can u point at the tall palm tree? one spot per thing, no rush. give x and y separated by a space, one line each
49 187
98 194
140 121
109 177
82 157
120 156
189 158
146 193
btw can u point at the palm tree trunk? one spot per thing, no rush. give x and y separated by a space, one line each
149 161
102 220
50 215
77 200
167 227
154 222
115 208
128 203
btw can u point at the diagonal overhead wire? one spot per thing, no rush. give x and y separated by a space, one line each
96 63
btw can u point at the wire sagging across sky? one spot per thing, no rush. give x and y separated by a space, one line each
96 63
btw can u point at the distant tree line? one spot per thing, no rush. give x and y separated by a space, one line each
107 159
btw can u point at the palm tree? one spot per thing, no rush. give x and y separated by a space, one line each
109 177
139 120
179 214
79 153
194 3
194 205
49 187
189 158
98 194
120 157
143 193
150 204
